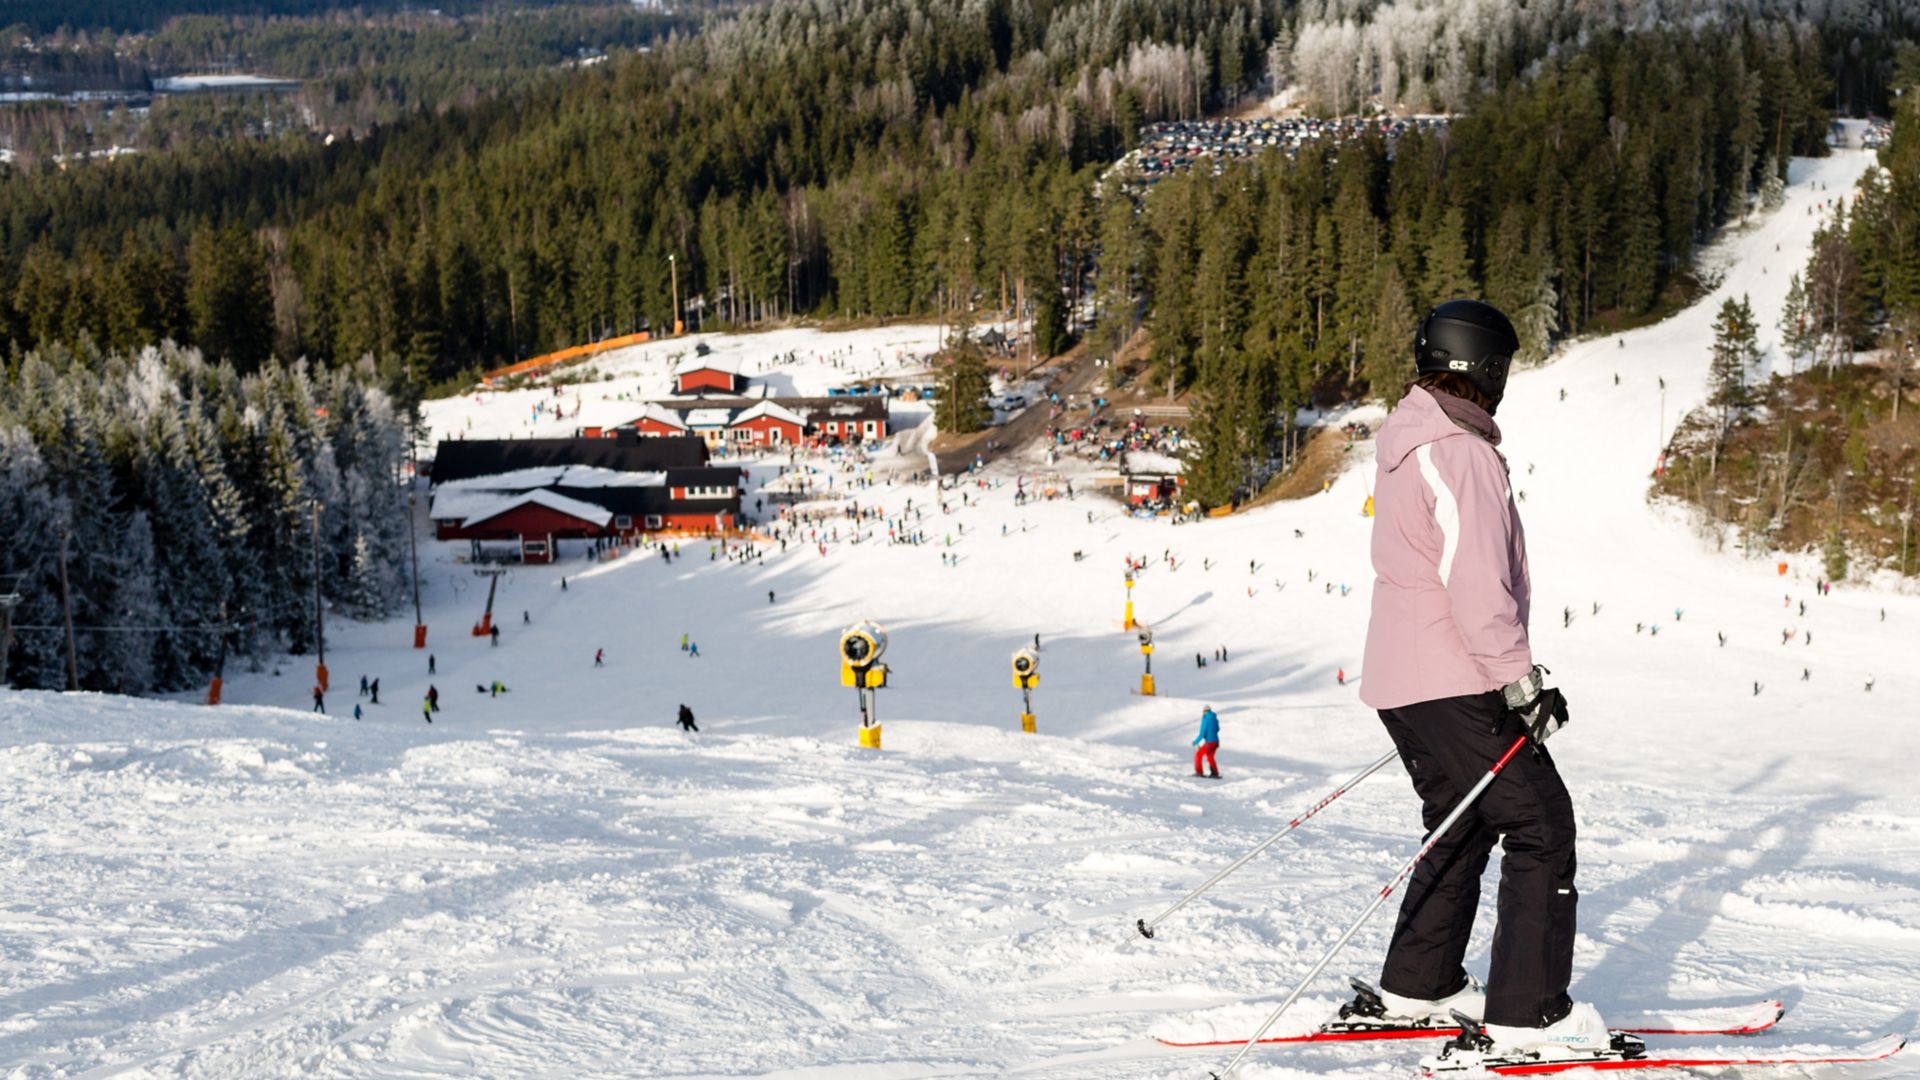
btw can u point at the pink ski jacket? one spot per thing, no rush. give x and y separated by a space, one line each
1451 589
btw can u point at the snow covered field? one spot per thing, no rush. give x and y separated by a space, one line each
557 882
789 362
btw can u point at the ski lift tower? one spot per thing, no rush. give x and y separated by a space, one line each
493 571
9 599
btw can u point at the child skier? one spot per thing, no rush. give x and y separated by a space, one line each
1451 672
1208 741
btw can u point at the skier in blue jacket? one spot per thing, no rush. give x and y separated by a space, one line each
1208 741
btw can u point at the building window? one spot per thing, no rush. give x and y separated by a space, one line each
773 435
533 548
710 491
654 521
742 434
623 521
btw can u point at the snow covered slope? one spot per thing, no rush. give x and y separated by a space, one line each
556 882
778 363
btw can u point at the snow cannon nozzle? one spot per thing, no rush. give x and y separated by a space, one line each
1145 930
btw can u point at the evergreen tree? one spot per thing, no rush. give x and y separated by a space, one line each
228 298
1798 336
1735 349
1449 273
1390 337
963 407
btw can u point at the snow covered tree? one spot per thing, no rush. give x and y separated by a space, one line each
1773 185
1540 316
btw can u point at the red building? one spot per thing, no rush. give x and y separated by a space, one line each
766 424
708 374
534 493
745 422
655 422
533 519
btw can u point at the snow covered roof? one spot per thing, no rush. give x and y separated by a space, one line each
1148 461
476 507
728 364
773 411
539 476
708 417
464 459
660 414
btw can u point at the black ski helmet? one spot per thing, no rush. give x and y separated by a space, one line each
1468 338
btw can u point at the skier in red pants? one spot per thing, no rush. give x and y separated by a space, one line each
1208 741
1450 669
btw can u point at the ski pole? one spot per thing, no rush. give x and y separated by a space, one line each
1145 926
1425 846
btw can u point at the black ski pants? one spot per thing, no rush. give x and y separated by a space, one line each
1447 745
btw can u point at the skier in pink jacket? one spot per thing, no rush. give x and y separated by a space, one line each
1450 669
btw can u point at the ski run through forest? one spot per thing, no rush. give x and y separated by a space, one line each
558 881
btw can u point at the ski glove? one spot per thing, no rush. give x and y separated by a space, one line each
1542 709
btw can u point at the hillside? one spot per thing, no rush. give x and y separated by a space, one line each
555 881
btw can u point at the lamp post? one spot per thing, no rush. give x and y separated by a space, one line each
319 617
673 268
413 549
66 614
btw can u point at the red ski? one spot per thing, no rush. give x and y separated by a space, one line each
1735 1020
1878 1050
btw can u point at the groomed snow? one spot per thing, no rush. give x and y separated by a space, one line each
557 882
777 363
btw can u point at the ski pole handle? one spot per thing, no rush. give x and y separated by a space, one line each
1145 926
1425 846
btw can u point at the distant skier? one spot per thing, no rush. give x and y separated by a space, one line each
1454 680
498 688
1869 684
319 700
375 691
1722 636
1756 688
526 619
363 686
683 643
1340 676
686 720
493 632
356 710
599 658
769 596
1199 661
1806 674
426 709
693 650
433 699
430 670
1208 742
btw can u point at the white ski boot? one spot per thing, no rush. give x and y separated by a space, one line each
1469 1000
1579 1036
1580 1029
1376 1010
